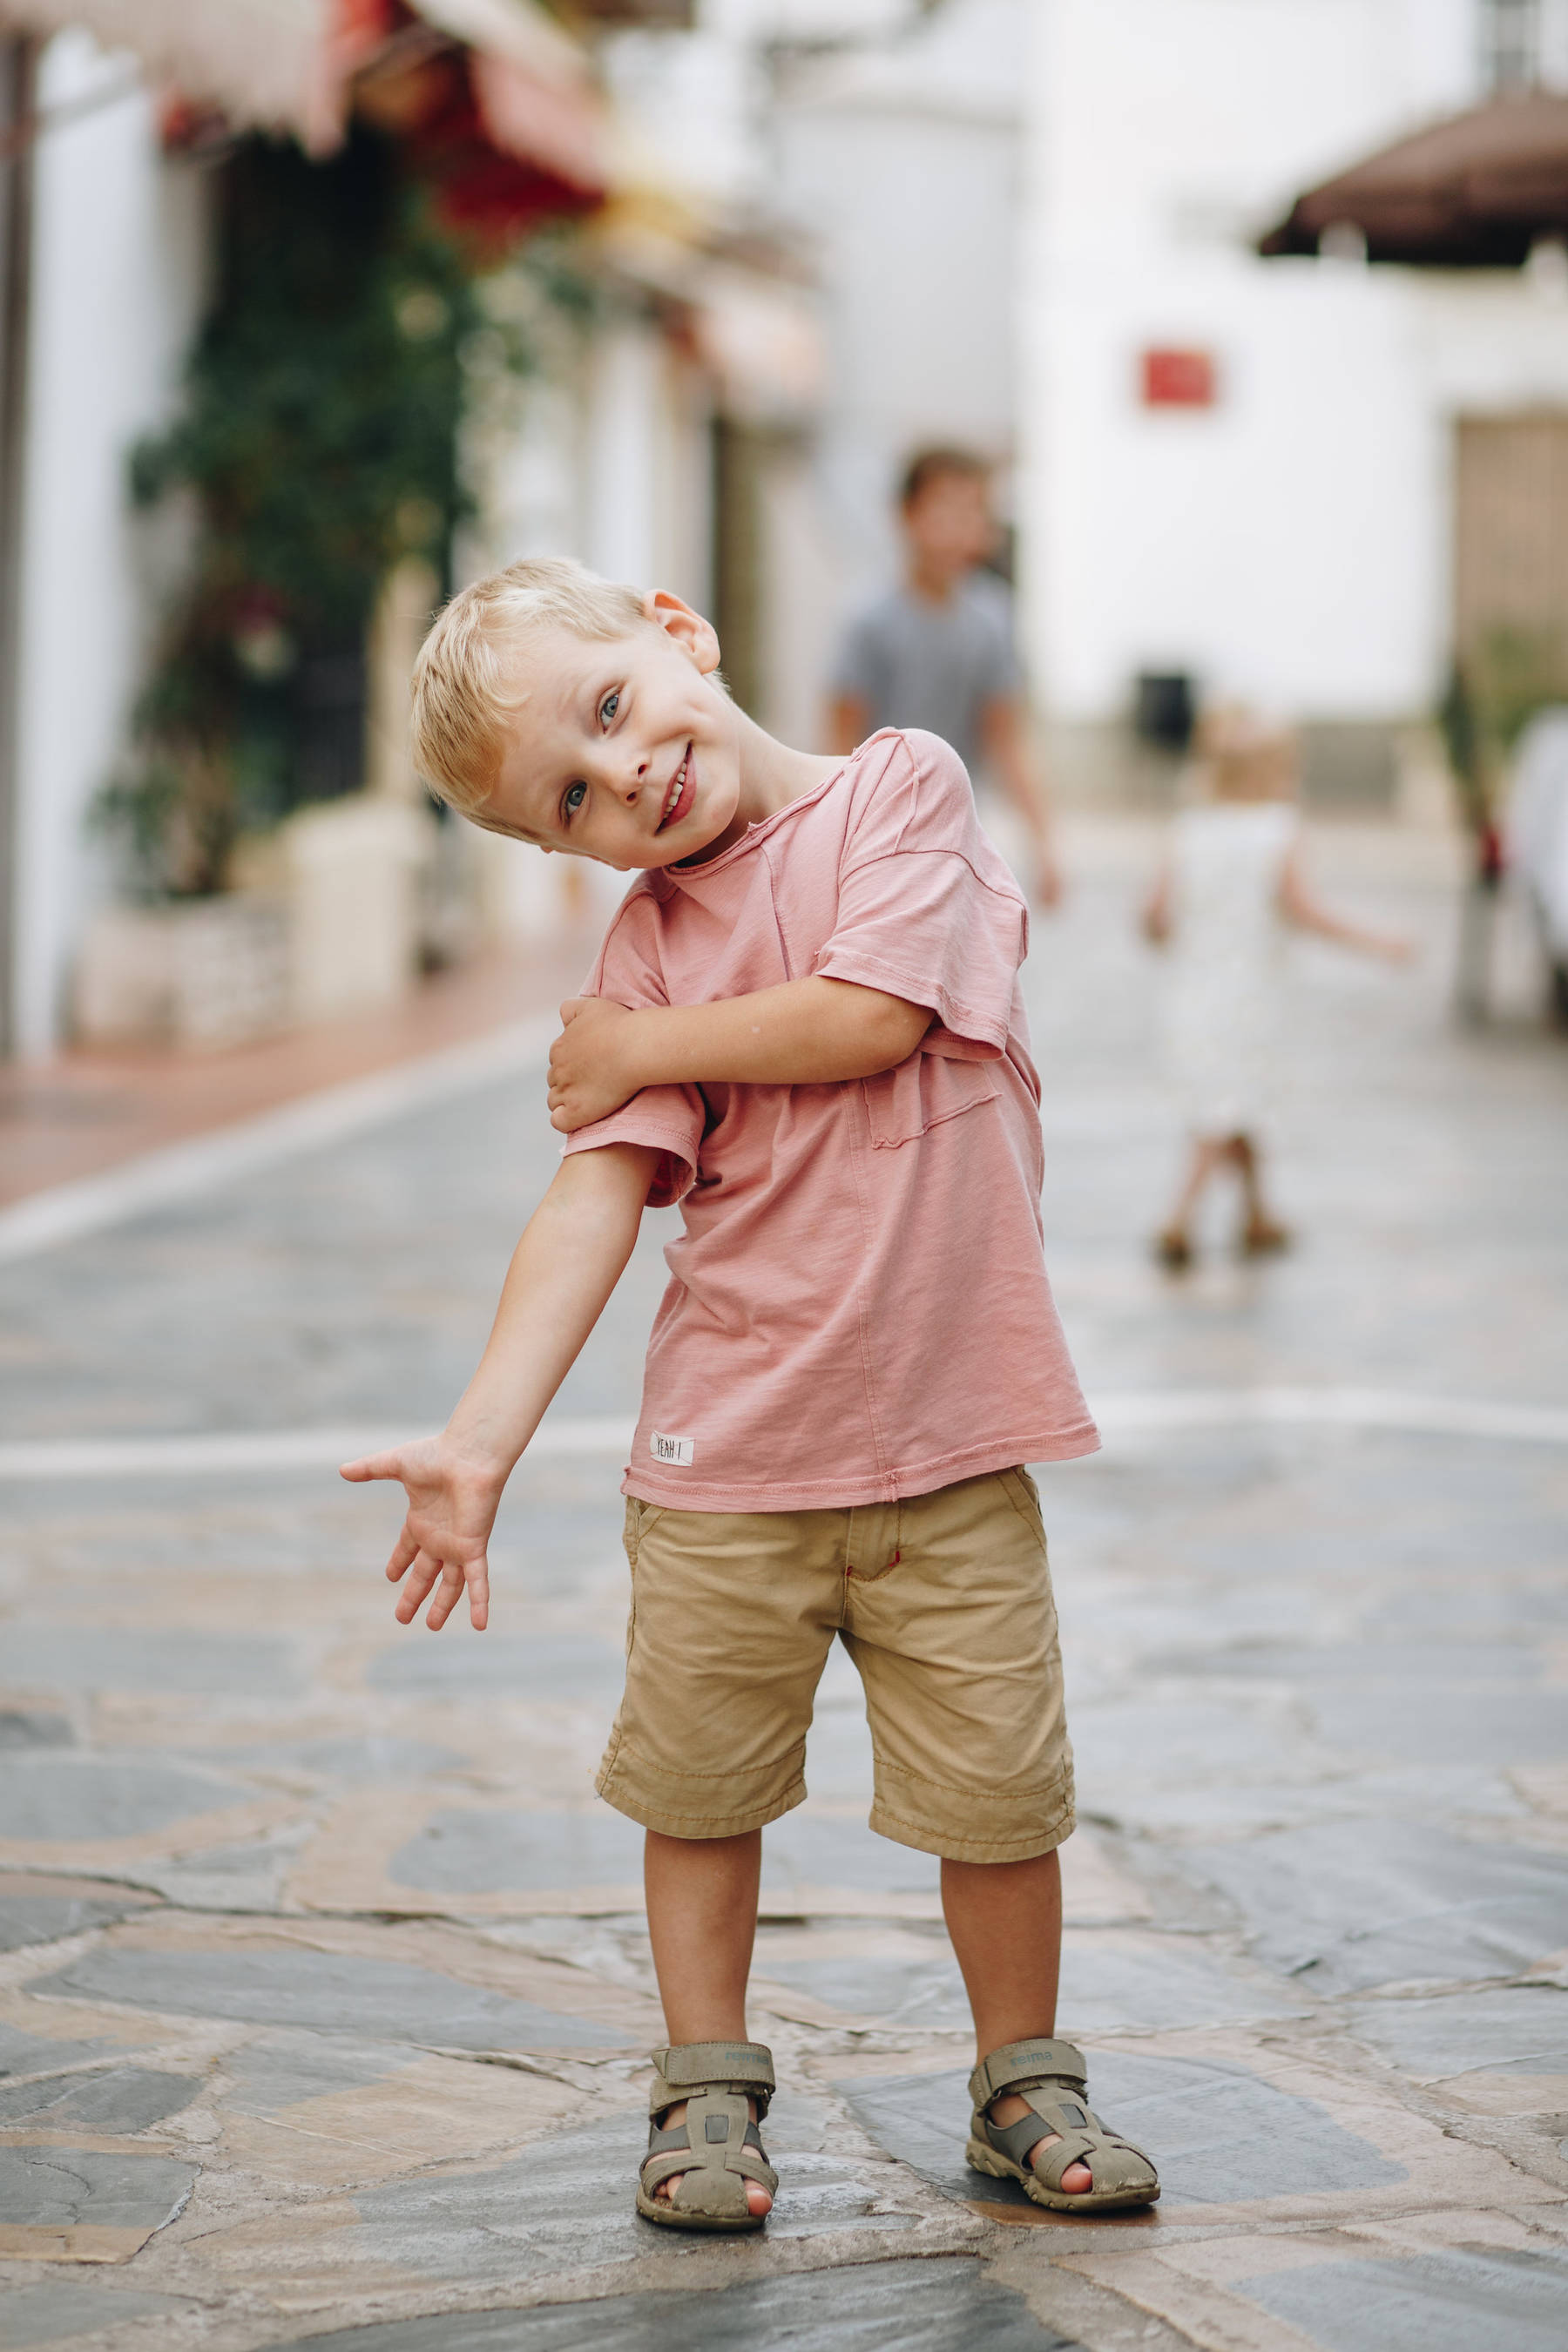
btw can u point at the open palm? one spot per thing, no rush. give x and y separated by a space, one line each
443 1549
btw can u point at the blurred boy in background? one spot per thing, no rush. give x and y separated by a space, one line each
936 652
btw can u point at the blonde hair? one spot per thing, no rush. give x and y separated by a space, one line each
1244 756
464 687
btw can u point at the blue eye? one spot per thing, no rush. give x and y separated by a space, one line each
609 707
576 796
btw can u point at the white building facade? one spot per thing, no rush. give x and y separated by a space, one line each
1240 469
118 273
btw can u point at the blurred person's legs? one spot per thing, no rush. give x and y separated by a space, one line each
1260 1231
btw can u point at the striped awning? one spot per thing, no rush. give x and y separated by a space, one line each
286 65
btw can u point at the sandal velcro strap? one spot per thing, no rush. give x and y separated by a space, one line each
743 2068
1020 2065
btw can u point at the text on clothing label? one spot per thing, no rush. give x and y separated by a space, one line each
673 1449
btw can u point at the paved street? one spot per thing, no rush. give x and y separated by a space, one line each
323 1983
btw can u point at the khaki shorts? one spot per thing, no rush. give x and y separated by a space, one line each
942 1600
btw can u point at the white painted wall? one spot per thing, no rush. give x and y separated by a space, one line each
119 264
1292 543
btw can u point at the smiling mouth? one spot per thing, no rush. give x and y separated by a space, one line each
677 799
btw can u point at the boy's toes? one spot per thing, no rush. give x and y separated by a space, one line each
758 2201
1077 2180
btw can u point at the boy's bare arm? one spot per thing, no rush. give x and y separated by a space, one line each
570 1258
1005 734
803 1032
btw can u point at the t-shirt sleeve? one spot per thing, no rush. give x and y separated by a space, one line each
927 909
671 1119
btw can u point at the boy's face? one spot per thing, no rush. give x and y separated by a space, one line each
950 526
623 749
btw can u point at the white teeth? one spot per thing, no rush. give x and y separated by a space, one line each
677 787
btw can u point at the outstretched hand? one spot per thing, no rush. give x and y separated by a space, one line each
586 1080
443 1549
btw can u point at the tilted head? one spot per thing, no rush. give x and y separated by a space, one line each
579 714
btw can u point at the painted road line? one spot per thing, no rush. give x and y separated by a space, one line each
158 1179
223 1452
1147 1413
1123 1415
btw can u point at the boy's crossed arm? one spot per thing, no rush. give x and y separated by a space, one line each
803 1032
576 1243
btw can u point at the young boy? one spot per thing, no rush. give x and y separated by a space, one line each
936 652
805 1027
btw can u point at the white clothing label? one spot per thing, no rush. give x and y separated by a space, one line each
673 1449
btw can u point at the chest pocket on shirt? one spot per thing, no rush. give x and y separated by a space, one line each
903 1104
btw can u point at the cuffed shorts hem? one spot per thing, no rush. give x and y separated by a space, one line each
1027 1845
677 1820
972 1824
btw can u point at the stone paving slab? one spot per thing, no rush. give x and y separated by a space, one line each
1431 2303
70 2307
87 1812
23 1727
1342 1908
1383 2289
929 2307
94 1657
75 2204
333 1991
1510 2029
39 1908
120 2099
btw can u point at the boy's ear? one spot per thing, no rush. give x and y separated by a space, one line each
694 635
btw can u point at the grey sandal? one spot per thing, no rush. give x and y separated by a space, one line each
1052 2077
715 2148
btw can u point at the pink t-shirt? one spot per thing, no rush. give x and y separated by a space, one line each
858 1306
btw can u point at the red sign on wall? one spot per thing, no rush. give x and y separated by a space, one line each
1169 378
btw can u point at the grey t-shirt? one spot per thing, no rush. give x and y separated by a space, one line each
916 664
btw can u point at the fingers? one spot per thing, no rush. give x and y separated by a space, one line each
572 1008
423 1572
480 1593
447 1593
404 1552
443 1582
374 1465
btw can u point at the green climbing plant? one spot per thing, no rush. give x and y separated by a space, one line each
318 443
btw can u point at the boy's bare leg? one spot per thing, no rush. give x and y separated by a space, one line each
1006 1922
702 1921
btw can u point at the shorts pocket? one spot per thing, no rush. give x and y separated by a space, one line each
1025 1496
905 1103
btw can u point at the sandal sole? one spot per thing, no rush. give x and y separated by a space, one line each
674 2217
981 2158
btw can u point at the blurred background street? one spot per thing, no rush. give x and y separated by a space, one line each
325 1989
